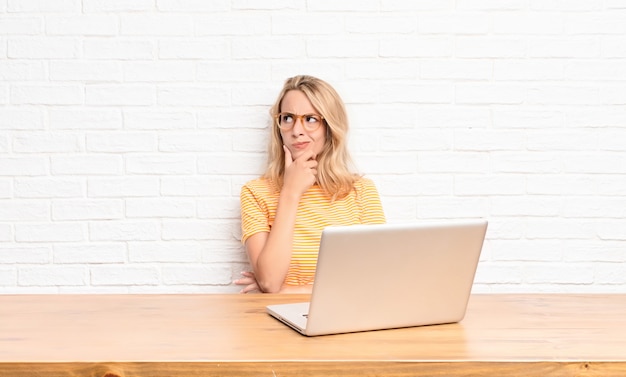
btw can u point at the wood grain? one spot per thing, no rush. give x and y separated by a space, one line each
187 335
405 369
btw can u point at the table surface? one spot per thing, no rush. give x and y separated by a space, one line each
181 332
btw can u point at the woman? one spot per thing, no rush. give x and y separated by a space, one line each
308 185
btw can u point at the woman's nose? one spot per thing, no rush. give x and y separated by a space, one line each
298 126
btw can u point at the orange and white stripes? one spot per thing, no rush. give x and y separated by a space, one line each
315 212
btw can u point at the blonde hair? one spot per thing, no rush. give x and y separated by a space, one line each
334 174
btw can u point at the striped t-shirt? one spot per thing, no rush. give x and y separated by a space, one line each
315 211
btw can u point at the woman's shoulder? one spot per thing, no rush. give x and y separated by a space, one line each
257 182
362 183
259 185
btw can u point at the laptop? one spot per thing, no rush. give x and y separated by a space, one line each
375 277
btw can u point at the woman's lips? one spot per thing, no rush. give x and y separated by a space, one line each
300 146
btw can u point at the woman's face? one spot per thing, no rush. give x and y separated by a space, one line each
299 139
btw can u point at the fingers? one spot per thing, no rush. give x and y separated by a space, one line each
248 274
288 158
249 282
301 173
308 154
244 281
250 288
307 159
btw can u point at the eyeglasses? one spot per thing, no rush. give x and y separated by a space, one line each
310 122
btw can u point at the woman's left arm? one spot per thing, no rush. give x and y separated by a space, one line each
251 286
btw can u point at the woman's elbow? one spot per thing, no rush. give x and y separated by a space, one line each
269 287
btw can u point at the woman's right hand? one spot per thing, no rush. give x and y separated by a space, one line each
301 173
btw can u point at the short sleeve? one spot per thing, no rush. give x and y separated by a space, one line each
254 217
369 201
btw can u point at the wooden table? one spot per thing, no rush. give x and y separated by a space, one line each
217 335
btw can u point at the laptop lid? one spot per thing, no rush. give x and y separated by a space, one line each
372 277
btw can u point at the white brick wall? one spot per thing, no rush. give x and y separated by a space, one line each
128 127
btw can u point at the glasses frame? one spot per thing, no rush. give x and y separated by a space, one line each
300 117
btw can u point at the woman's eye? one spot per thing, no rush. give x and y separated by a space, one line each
287 118
312 119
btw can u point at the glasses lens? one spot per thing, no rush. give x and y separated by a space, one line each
285 119
312 118
309 121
